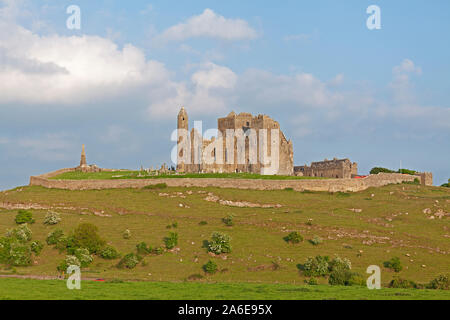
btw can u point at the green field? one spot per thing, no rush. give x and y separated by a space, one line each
127 174
392 224
56 290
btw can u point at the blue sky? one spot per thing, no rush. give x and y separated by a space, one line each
338 89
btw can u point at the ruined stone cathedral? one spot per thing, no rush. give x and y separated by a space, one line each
242 155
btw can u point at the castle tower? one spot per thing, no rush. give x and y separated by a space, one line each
182 123
83 162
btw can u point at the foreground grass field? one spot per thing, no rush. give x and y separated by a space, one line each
126 174
368 227
56 290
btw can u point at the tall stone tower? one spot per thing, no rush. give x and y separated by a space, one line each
182 123
83 162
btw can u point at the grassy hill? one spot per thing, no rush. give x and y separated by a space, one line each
388 222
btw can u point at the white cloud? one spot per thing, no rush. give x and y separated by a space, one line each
209 25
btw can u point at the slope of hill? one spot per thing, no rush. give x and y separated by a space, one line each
368 227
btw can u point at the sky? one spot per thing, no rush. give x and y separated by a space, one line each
379 97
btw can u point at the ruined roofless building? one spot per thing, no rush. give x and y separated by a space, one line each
336 168
233 121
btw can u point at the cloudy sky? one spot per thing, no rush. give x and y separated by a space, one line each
338 89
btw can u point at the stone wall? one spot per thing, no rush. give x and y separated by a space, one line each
330 185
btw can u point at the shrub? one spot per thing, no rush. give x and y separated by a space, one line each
171 241
343 277
293 237
142 248
109 253
36 247
288 189
69 261
86 236
312 282
22 233
316 240
442 283
377 170
210 267
402 283
5 247
83 256
66 244
316 267
52 218
393 264
126 234
407 171
203 223
228 220
54 236
220 243
447 185
129 261
340 264
19 254
24 216
321 266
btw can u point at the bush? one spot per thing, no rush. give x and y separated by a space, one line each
52 218
321 266
316 267
316 240
54 236
36 247
407 171
402 284
343 277
129 261
210 267
171 241
86 236
442 283
83 256
293 237
228 220
5 247
312 282
142 248
69 261
109 253
22 233
393 264
377 170
158 251
19 254
126 234
220 243
24 216
447 185
203 223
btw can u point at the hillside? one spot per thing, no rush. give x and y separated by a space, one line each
367 227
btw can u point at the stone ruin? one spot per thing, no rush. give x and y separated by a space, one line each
84 167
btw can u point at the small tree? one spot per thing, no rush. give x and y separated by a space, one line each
220 243
171 241
394 264
52 218
210 267
293 237
86 236
24 216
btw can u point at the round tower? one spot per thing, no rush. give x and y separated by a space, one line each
182 123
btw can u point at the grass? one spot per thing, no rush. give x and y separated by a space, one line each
27 289
381 231
125 174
